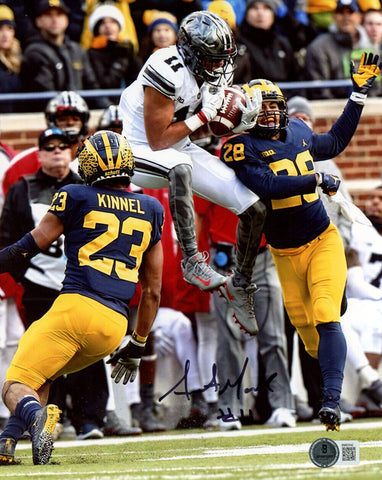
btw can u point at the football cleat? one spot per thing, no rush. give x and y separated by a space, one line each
7 451
42 432
282 417
330 417
196 271
241 300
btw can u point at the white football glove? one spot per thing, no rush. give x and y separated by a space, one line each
212 100
250 111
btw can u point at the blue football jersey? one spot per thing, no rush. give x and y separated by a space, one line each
107 231
281 173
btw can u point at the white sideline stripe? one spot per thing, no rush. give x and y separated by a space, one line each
258 450
199 436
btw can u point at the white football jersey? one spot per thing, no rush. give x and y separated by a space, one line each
166 72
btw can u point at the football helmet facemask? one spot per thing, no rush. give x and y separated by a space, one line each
270 92
68 103
105 157
207 46
111 119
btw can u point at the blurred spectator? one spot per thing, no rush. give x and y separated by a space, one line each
52 61
128 32
162 31
10 57
113 59
372 22
271 55
328 56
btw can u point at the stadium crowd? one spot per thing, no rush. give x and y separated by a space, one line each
56 46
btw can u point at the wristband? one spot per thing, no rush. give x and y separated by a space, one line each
319 179
138 338
194 122
358 98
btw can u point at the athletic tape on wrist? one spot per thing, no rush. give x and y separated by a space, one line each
194 122
358 98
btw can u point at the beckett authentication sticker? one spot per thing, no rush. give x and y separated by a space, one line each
324 452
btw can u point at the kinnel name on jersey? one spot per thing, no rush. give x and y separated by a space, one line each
119 203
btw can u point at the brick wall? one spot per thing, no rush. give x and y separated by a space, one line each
361 163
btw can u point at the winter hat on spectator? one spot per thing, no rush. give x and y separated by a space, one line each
272 4
45 5
50 133
224 10
152 18
7 16
300 104
105 11
352 4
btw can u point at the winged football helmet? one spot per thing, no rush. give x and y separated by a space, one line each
68 103
104 157
207 46
270 92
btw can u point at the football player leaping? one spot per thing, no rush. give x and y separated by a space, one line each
276 160
179 90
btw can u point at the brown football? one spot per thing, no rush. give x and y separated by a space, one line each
229 114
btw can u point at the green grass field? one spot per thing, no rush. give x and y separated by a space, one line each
252 453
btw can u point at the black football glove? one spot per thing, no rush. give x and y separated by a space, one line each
127 361
363 78
329 183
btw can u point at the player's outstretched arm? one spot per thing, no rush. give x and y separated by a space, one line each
17 255
364 77
127 359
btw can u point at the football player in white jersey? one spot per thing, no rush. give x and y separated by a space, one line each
179 89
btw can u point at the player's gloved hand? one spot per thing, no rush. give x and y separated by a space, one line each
328 182
212 100
250 111
364 77
127 361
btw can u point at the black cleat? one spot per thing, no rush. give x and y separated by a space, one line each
42 433
7 451
330 417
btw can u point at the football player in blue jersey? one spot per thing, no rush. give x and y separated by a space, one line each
112 240
276 159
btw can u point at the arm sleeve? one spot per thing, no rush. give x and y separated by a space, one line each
329 145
